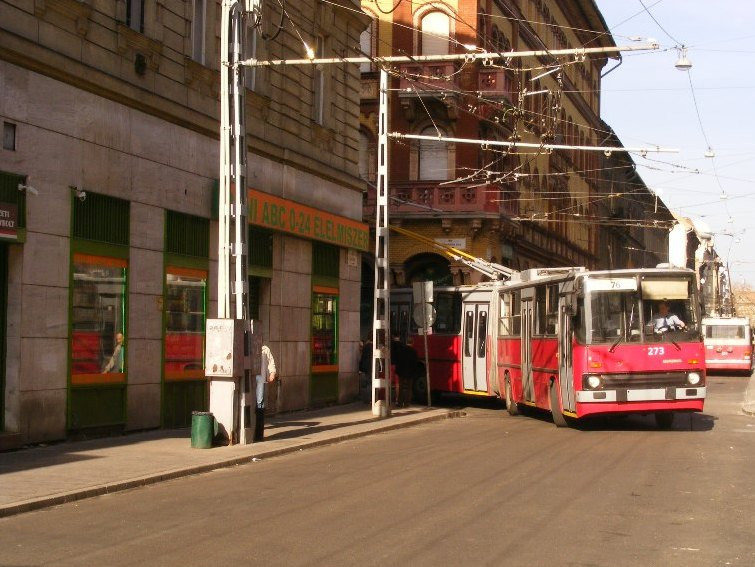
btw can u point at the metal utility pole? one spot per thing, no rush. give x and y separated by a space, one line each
381 312
233 197
230 360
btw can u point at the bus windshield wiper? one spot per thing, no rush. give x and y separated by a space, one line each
673 342
615 343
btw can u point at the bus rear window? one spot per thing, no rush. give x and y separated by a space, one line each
724 332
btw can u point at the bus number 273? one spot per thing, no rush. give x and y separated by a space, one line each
656 351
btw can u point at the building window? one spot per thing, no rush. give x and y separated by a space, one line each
9 136
367 158
250 73
135 15
367 42
433 157
197 31
318 84
435 30
185 315
98 319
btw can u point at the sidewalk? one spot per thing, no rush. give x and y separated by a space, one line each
45 476
748 405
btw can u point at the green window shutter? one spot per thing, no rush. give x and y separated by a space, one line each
260 248
101 218
325 260
9 193
187 235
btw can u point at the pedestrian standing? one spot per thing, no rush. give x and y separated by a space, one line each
406 362
268 374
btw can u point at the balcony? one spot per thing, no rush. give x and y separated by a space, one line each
434 80
427 198
496 85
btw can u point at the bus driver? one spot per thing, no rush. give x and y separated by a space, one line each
666 321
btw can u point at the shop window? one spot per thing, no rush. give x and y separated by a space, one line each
98 343
185 316
324 328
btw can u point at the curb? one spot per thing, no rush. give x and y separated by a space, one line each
90 492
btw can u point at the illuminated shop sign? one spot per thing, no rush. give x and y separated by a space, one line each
299 220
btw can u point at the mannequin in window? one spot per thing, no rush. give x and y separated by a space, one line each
115 364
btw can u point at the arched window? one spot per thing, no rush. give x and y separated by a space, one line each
436 30
433 157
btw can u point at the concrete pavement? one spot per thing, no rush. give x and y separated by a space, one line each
43 476
748 405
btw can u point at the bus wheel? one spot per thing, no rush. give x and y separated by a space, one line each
558 417
664 420
511 406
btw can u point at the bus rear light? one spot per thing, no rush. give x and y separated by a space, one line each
692 361
694 378
596 365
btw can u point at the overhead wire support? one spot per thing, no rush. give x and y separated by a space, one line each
606 149
381 360
471 56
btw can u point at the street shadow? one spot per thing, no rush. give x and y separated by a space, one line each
293 428
55 453
683 422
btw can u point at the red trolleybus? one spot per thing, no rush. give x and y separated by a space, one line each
728 344
458 345
581 343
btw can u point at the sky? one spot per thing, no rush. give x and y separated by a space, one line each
648 102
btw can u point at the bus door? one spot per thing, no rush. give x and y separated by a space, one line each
474 347
400 319
528 390
565 369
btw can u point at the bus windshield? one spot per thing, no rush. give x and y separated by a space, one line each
648 311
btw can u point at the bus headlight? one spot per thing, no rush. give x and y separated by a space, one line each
693 378
592 382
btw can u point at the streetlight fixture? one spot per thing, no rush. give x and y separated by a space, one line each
683 63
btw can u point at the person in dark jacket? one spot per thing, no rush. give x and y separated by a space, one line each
406 362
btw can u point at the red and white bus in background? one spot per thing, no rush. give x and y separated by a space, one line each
458 344
570 341
728 344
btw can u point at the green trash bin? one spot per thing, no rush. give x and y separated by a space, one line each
202 429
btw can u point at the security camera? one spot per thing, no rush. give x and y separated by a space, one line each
81 195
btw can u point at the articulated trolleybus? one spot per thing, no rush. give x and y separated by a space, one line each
582 343
728 344
570 341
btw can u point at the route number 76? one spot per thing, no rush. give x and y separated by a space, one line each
656 351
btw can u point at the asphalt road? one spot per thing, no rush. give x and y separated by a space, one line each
488 489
